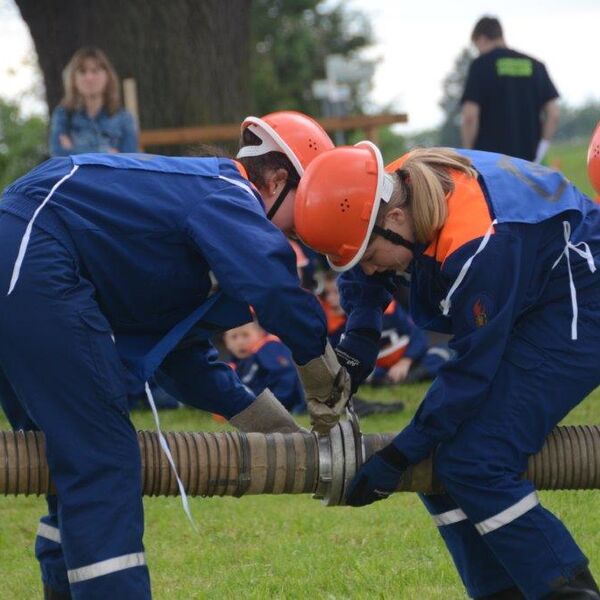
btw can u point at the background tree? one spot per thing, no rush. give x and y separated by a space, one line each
22 142
291 39
190 58
578 123
452 89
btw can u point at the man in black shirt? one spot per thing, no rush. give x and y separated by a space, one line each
509 102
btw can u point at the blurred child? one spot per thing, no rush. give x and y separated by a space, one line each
263 361
404 355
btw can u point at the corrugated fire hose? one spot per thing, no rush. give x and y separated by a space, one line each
237 464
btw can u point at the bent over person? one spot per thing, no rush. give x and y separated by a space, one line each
107 264
502 254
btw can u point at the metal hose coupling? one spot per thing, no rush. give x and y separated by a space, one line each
238 464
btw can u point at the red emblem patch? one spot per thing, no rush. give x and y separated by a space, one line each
480 316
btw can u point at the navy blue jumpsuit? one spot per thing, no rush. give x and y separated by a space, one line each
112 286
513 276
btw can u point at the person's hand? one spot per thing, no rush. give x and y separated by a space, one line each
357 353
327 387
399 371
377 478
65 141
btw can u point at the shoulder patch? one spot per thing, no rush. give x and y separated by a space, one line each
482 309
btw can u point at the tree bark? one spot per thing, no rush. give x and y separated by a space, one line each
190 58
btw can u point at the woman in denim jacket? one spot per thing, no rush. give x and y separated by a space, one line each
90 117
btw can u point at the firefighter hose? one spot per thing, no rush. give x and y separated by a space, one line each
239 464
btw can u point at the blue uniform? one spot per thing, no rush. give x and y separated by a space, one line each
271 366
114 286
512 275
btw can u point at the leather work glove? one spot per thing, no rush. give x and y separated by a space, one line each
265 415
327 387
377 478
357 353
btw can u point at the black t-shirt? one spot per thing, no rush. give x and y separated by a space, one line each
510 88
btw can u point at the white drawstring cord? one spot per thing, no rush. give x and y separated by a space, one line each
25 239
445 303
589 257
165 448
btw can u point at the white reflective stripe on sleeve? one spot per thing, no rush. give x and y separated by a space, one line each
27 234
509 515
49 532
239 184
589 257
105 567
449 518
445 303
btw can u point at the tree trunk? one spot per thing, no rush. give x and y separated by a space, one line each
190 58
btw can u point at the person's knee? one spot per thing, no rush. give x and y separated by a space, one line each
456 469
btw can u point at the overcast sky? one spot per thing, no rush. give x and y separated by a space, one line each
417 43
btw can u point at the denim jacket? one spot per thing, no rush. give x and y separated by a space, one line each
99 134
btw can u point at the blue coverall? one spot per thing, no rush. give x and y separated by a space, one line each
512 275
113 287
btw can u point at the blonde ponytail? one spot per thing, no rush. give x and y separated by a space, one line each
428 183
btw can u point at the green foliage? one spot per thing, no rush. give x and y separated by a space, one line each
291 40
391 144
291 546
22 142
578 122
452 89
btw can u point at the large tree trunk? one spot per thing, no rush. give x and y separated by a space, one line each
190 58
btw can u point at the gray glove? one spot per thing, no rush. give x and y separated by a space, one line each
265 415
328 388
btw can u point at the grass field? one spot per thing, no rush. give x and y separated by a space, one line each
571 160
292 546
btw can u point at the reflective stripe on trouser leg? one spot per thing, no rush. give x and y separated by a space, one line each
49 551
508 515
480 571
76 395
106 567
535 386
48 532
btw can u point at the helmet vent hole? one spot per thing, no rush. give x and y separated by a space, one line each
345 205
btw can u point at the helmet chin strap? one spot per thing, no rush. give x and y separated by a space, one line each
277 204
395 238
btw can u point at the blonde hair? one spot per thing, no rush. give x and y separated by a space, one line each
426 184
72 100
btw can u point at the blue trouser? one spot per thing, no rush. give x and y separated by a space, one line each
57 353
497 532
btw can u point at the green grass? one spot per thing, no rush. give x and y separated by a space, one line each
571 160
292 546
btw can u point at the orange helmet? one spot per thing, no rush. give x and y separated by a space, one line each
295 134
337 202
593 159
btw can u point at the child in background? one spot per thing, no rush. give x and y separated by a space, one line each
404 355
263 361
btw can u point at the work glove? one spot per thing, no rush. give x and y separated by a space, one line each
357 353
377 478
265 415
327 387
